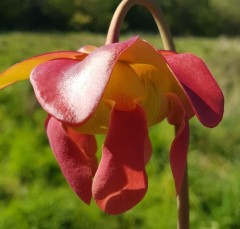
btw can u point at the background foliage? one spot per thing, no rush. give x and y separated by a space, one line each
33 192
191 17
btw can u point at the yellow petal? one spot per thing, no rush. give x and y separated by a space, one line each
124 87
98 122
22 70
154 100
143 53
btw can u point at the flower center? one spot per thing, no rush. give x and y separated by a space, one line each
124 88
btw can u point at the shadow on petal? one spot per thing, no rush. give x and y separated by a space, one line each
201 88
205 113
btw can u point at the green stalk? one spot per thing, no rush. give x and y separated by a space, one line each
151 5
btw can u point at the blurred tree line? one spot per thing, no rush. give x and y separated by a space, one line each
185 17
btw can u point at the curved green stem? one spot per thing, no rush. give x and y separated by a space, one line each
151 5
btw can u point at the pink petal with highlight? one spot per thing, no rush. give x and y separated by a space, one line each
75 154
121 181
70 90
22 70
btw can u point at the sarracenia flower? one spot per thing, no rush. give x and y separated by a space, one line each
120 90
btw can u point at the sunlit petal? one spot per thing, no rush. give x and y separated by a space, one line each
71 90
22 70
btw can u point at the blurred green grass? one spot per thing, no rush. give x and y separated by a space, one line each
34 194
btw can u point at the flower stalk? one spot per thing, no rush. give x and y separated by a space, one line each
151 5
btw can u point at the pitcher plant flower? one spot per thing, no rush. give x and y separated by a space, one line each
118 89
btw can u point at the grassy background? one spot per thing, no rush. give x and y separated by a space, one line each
34 194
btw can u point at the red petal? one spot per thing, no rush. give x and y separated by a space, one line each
70 90
202 90
121 181
74 153
179 148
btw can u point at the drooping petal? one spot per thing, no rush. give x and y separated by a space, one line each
120 181
22 70
179 148
202 90
71 90
75 154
